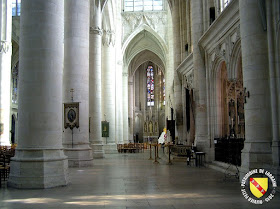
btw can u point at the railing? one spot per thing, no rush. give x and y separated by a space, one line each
132 147
228 150
181 150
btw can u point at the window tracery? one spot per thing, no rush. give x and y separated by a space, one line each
143 5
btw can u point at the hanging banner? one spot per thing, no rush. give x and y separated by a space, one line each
71 115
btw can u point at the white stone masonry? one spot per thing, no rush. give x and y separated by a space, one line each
95 79
76 77
39 161
5 70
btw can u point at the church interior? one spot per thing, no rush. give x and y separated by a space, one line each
90 89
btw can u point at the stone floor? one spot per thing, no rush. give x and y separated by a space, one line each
122 181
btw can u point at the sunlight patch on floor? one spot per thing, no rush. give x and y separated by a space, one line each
33 200
145 196
87 203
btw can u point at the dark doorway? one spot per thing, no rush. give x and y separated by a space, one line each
13 129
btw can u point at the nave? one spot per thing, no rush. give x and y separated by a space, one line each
131 181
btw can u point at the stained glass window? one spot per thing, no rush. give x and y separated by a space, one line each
163 91
143 5
16 7
150 86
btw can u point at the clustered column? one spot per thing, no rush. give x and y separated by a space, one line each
130 108
5 70
108 88
76 77
201 131
39 161
95 79
177 61
125 107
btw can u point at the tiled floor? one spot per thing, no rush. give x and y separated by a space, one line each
123 181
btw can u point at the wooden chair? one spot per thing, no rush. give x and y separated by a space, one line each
4 166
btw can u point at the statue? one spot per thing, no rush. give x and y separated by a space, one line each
151 127
145 127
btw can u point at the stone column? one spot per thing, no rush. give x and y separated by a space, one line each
119 104
258 136
119 68
125 108
272 11
95 79
178 106
5 70
130 108
201 129
108 89
39 161
76 77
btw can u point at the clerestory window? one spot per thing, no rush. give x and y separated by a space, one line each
16 4
143 5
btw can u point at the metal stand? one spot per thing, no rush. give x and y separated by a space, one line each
157 152
150 152
169 153
72 139
156 162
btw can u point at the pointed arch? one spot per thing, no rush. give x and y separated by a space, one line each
140 29
234 61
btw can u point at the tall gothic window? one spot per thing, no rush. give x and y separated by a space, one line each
162 87
16 7
150 86
143 5
15 84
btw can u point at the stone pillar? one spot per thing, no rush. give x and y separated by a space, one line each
201 130
76 77
108 89
118 79
39 161
125 108
5 70
95 79
257 146
130 108
178 106
272 11
119 104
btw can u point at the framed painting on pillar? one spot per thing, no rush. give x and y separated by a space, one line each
71 115
105 128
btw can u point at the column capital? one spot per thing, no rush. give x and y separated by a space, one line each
108 38
125 74
96 30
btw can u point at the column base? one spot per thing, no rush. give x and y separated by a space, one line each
255 155
38 169
110 149
97 151
79 157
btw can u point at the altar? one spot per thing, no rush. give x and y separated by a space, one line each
150 131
